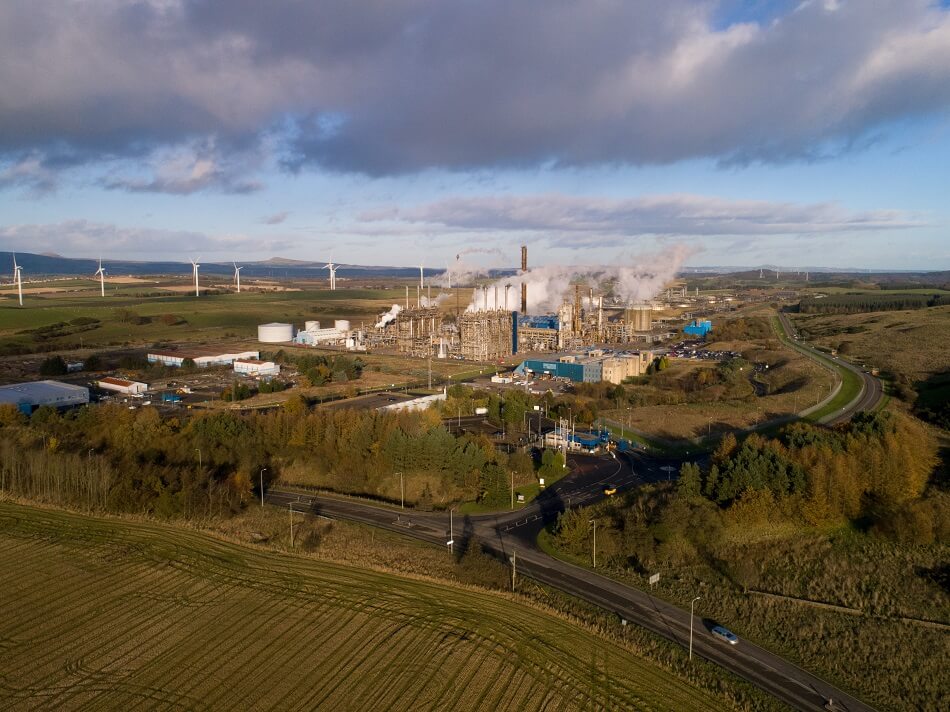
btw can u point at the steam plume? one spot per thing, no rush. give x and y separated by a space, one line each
389 317
548 286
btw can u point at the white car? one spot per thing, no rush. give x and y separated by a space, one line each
725 635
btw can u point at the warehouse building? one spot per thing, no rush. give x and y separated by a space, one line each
121 385
569 367
202 358
420 403
256 367
27 397
592 367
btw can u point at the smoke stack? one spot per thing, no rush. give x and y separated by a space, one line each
495 305
591 299
407 296
524 285
577 309
507 287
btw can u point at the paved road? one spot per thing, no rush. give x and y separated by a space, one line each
511 532
871 390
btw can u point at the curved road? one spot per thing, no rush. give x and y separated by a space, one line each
871 390
516 532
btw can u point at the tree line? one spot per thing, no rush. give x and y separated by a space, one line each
871 473
859 303
107 457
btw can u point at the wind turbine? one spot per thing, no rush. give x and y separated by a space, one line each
195 266
18 279
332 267
101 273
237 276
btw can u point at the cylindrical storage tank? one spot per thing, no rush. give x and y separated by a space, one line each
341 325
311 325
275 333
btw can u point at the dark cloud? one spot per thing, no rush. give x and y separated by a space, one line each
572 220
390 86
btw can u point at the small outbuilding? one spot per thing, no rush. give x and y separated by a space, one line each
121 385
256 367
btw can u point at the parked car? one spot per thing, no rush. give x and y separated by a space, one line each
725 634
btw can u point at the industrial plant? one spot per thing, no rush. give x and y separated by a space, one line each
591 311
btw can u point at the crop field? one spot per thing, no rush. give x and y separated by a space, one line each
108 614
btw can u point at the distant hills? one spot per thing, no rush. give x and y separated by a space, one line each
52 264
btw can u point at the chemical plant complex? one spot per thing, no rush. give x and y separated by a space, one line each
591 325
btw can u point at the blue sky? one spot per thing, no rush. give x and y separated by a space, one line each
811 133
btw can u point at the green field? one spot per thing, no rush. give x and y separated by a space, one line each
207 317
109 614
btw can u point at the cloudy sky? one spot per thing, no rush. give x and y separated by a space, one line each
809 132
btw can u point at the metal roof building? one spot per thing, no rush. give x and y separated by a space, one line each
30 396
583 371
121 385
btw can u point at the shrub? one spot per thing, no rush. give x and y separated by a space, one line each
53 366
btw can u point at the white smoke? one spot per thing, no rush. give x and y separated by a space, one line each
549 286
434 301
463 271
389 317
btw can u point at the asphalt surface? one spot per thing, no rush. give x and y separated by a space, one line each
871 389
516 531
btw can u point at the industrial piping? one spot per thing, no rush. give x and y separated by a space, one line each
524 285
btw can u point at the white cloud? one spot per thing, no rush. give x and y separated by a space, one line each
572 220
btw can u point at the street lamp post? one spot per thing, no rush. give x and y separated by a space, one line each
691 604
451 541
263 470
594 522
402 491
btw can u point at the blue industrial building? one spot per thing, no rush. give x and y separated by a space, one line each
538 321
579 372
27 397
698 328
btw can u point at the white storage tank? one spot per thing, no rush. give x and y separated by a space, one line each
311 325
341 325
275 333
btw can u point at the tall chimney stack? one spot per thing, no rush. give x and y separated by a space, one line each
524 285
